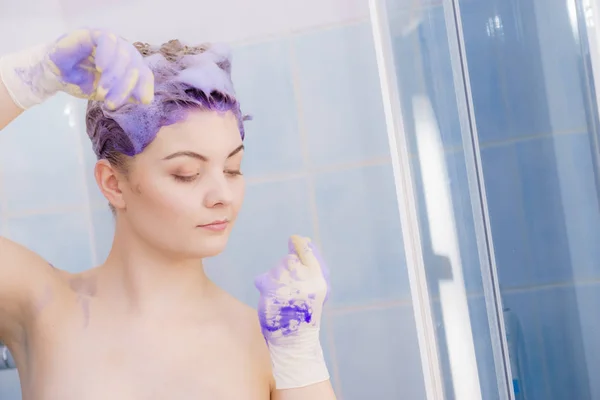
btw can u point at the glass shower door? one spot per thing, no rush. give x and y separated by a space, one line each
536 114
441 200
493 109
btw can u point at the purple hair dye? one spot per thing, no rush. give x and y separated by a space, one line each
185 78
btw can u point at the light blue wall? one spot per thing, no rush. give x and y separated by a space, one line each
317 163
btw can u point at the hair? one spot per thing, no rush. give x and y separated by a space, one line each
185 78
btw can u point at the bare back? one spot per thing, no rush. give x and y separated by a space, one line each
71 342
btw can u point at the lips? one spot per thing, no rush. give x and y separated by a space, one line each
218 225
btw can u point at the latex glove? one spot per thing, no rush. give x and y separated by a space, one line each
291 302
88 64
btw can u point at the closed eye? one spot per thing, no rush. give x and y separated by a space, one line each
232 172
184 178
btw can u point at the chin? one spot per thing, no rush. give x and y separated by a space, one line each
210 247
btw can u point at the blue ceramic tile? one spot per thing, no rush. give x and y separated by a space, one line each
62 239
10 385
271 213
39 159
103 228
361 235
563 345
544 211
507 217
521 65
378 354
581 205
341 103
562 64
526 307
588 298
485 72
263 81
329 347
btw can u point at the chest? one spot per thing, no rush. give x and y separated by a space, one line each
210 363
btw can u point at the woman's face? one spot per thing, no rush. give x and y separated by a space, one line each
184 191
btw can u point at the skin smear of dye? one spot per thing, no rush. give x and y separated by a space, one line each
85 289
44 300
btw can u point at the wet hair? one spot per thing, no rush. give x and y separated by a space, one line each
185 78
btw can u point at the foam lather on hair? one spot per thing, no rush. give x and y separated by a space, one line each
185 78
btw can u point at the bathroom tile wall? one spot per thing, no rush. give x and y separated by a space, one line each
317 164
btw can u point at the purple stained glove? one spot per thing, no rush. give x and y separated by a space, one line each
291 302
88 64
293 293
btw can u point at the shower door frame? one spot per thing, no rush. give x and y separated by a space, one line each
587 19
407 204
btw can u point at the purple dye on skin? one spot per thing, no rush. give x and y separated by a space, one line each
194 81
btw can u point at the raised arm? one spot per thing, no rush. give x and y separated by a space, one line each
88 64
292 296
8 109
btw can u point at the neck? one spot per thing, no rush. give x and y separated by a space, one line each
147 279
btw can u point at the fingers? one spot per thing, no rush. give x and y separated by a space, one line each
125 77
109 64
306 252
144 91
120 92
68 60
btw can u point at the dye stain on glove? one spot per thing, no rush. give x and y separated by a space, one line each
98 65
293 293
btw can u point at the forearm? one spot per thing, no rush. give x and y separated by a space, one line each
8 109
318 391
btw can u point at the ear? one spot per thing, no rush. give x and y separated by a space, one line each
108 180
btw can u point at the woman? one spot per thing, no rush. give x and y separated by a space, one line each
148 324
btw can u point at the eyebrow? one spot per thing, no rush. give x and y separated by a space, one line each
200 156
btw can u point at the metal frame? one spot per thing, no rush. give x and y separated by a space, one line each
588 27
483 233
407 203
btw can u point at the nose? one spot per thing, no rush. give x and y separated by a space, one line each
219 192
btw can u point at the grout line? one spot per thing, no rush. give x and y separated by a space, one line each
386 304
305 151
378 305
581 131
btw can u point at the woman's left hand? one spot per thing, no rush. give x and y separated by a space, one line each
291 302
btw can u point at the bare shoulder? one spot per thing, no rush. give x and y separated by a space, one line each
24 278
244 319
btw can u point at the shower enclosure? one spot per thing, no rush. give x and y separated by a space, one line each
444 154
492 117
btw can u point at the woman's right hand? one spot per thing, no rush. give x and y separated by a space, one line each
86 63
